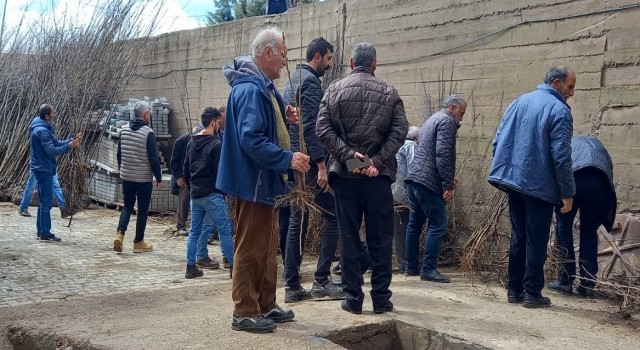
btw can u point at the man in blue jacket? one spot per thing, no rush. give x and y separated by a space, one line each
44 149
596 199
532 163
305 92
255 157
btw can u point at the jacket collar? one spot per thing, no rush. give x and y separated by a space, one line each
309 68
550 90
445 111
361 69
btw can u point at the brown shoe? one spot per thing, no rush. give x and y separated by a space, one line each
142 247
225 263
117 243
208 263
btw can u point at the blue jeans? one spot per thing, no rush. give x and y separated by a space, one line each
31 185
214 208
425 204
207 231
45 197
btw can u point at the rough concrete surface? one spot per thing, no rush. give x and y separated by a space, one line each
82 295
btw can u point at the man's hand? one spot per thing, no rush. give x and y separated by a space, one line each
300 162
567 203
448 194
158 185
323 178
292 114
456 181
74 143
180 182
79 135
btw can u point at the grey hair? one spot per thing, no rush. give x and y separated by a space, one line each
455 99
413 133
556 73
363 54
267 37
140 108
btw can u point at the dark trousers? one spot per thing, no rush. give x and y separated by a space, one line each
45 199
255 266
400 220
530 222
284 214
591 199
183 207
371 197
298 229
135 191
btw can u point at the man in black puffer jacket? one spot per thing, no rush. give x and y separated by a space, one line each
430 184
305 92
360 116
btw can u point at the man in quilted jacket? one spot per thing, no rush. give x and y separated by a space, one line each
532 163
360 116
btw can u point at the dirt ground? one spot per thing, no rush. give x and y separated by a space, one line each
172 313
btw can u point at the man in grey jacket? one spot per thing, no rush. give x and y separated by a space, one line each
360 116
430 184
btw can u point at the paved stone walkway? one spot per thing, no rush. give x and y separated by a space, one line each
84 264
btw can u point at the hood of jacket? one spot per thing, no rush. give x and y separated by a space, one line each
39 122
202 142
137 124
244 68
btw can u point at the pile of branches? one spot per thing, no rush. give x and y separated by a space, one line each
76 67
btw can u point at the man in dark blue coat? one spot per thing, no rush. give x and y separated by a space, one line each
596 199
44 150
255 157
532 163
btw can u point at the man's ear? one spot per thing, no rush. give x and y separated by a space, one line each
351 63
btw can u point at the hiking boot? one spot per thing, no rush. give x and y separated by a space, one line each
562 288
225 263
535 302
117 243
279 315
294 295
208 263
193 271
142 247
24 212
515 297
253 324
388 307
587 292
346 307
50 238
434 276
182 233
326 289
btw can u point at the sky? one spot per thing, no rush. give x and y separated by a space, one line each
176 14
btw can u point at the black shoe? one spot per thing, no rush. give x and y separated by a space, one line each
388 307
279 315
49 238
327 289
253 324
337 270
515 297
346 307
562 288
38 235
294 295
193 271
411 273
434 276
587 292
24 213
535 302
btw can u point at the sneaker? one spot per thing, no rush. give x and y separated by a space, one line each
193 271
142 247
211 241
326 289
24 212
279 315
388 307
294 295
117 243
535 302
435 276
50 238
515 297
38 235
253 324
225 263
337 270
562 288
346 307
208 263
182 233
587 292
